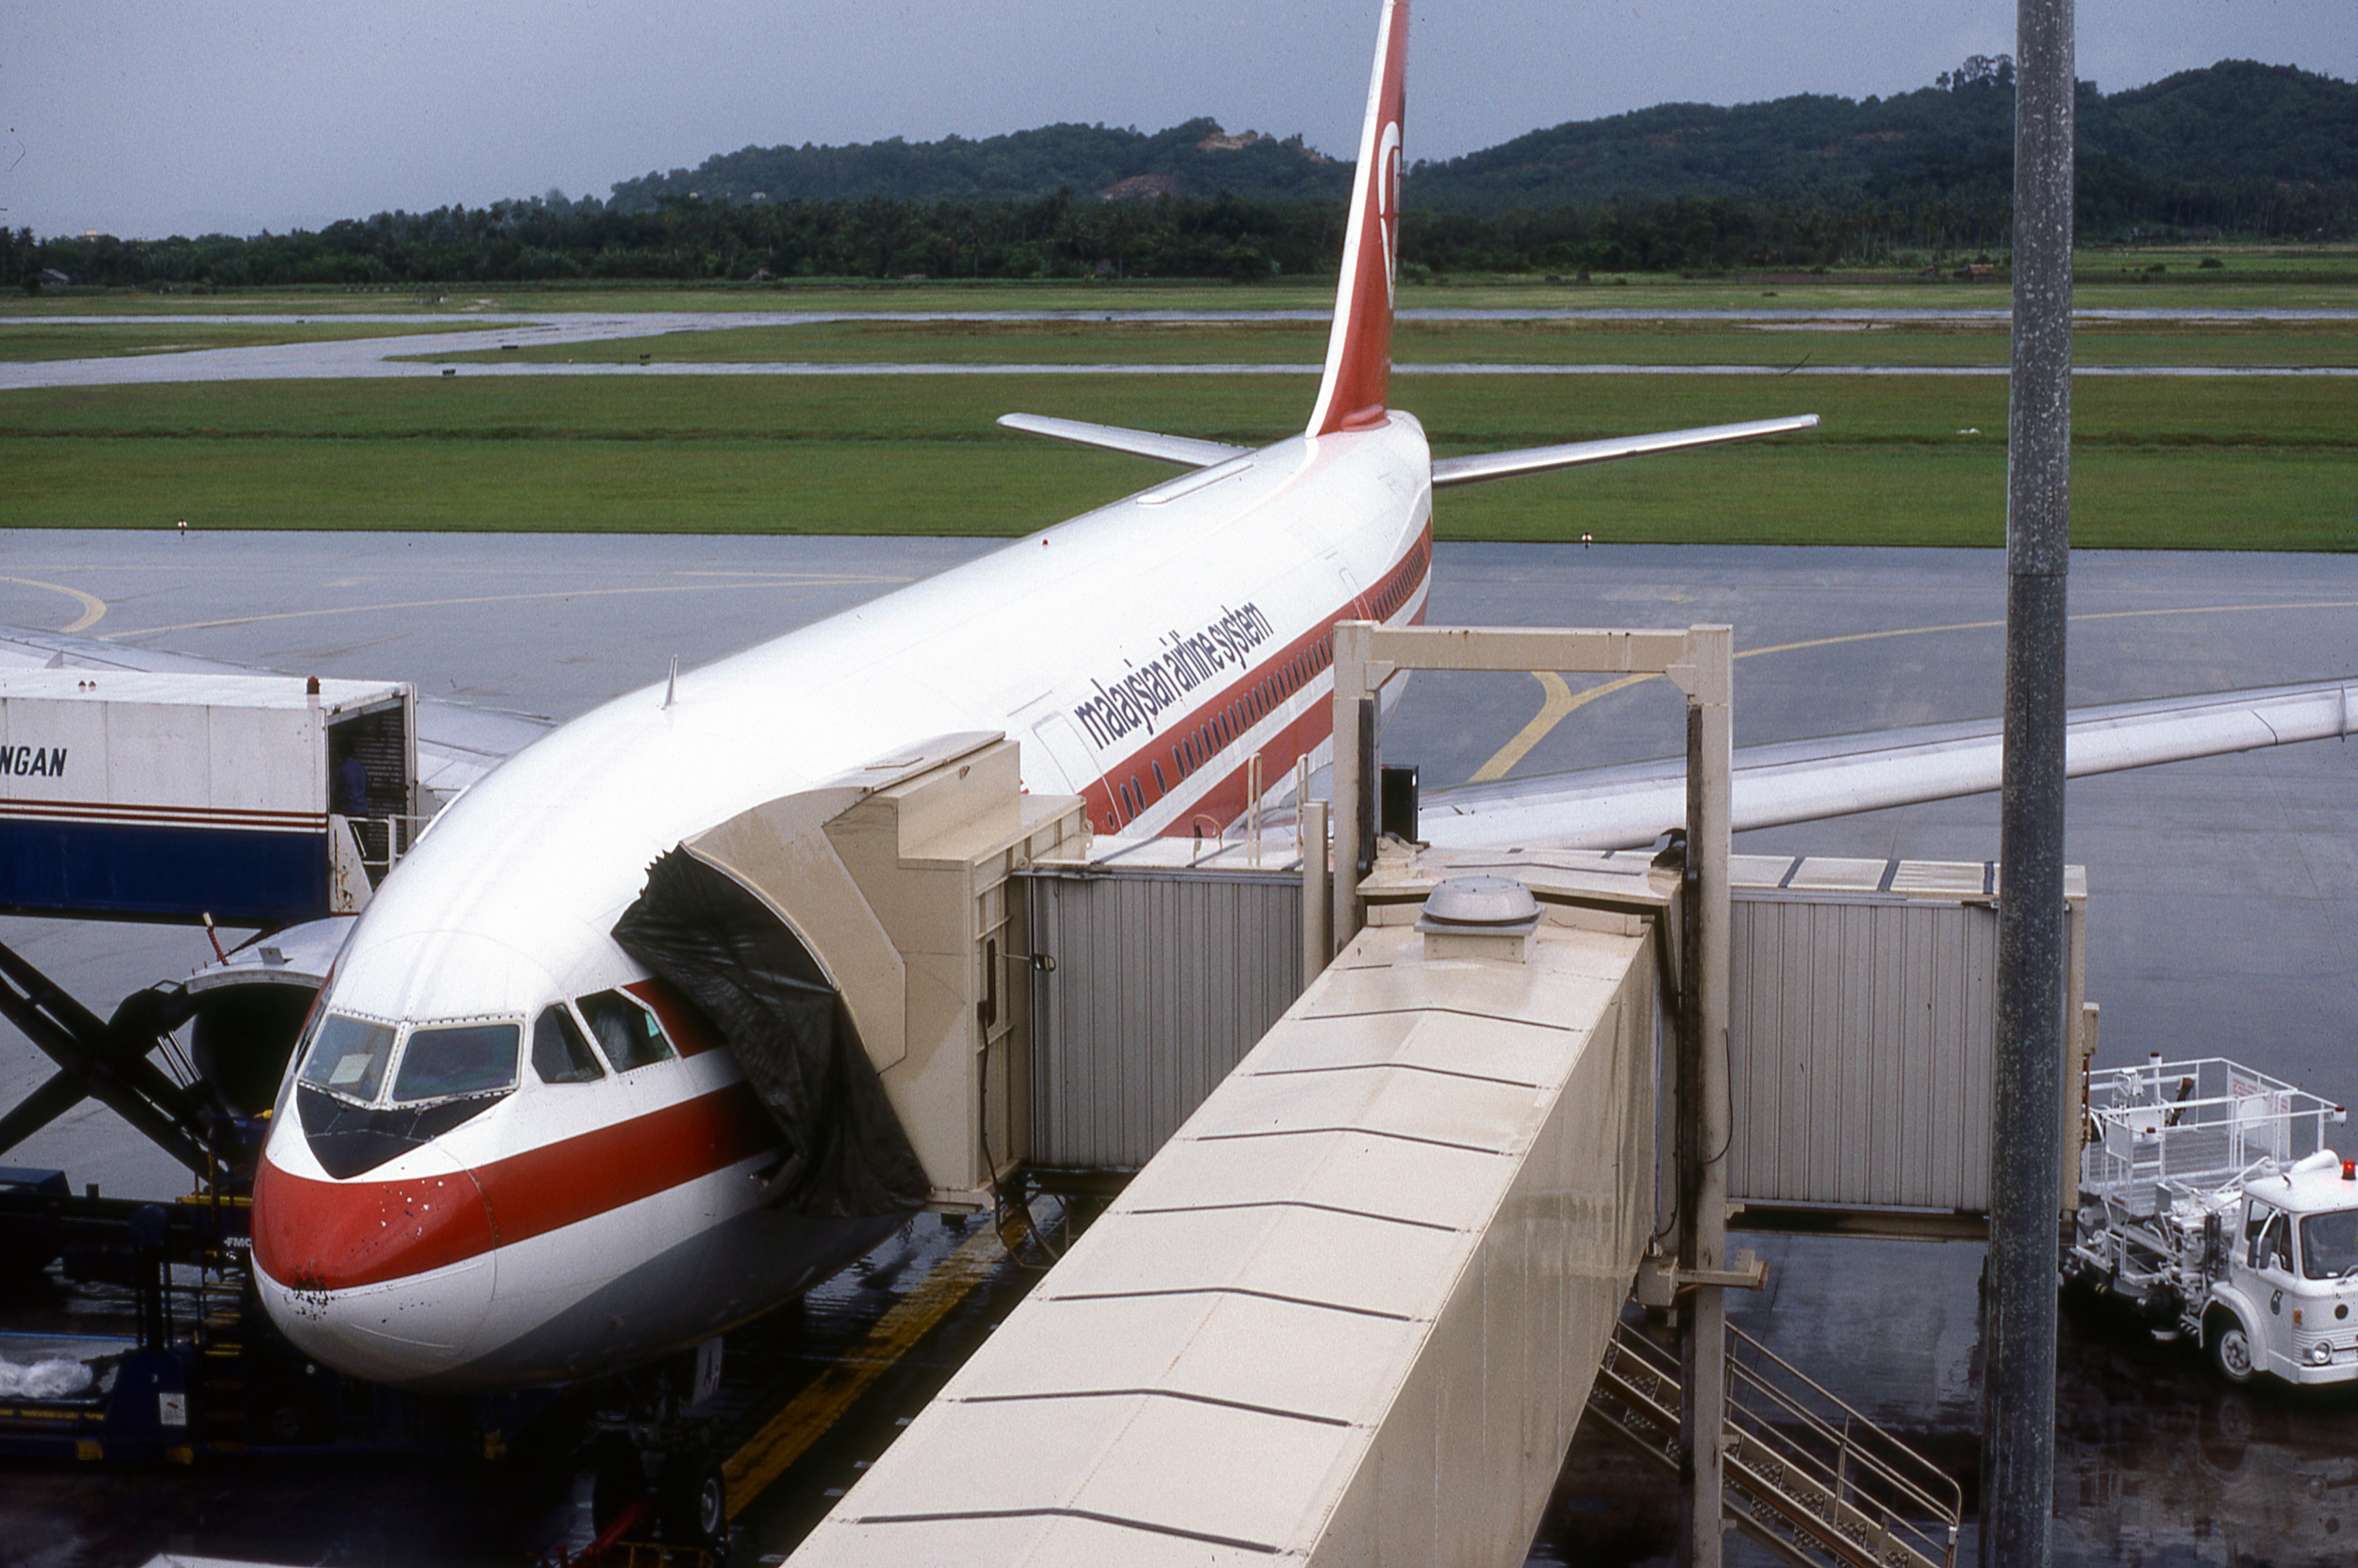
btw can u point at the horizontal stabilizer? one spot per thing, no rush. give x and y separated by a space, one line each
1807 780
1539 459
1180 449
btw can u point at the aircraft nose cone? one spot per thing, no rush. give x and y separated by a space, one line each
388 1280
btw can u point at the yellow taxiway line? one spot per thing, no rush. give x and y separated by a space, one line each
1560 701
808 1415
92 607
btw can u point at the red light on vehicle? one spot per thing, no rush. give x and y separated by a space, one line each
2350 1170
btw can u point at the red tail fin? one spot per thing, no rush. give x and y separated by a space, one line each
1359 351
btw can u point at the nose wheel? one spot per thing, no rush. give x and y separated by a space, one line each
687 1505
692 1502
617 1481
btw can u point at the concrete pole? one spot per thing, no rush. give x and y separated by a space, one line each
1705 1125
2019 1399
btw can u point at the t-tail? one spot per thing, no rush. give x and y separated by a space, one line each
1359 347
1354 391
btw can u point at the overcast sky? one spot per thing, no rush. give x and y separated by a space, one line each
152 117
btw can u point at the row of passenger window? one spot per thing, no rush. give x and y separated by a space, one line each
1214 735
350 1056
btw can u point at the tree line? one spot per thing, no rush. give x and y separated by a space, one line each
1062 236
2235 151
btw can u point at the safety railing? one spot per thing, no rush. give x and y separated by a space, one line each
380 841
1806 1476
2202 1123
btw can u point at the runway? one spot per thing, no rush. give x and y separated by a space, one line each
2223 913
413 355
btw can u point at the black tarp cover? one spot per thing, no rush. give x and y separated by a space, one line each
725 950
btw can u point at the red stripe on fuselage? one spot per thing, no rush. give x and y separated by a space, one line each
331 1235
1227 797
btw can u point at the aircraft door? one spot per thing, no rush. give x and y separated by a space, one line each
1071 769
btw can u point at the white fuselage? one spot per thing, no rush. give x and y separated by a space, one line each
1141 654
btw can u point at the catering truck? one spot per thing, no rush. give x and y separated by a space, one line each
255 800
2211 1205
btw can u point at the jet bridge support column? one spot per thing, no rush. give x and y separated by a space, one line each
1700 662
1703 1121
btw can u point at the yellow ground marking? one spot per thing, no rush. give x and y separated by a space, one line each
808 1415
779 581
92 607
1560 700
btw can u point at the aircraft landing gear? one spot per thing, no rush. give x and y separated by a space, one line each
685 1506
658 1459
692 1502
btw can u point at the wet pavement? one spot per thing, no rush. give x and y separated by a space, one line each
2223 920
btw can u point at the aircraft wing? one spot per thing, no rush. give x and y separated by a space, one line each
1804 781
1572 454
1185 450
456 745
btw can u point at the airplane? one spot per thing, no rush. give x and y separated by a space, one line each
460 1190
506 1152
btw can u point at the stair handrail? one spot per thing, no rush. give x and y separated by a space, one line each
1895 1494
1932 1487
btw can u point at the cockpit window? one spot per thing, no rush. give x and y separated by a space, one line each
560 1052
349 1056
457 1059
2328 1244
625 1030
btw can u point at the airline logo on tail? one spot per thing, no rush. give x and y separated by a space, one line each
1359 351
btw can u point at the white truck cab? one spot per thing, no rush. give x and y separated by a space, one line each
2209 1203
2288 1303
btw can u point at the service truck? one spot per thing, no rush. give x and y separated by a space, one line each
2211 1204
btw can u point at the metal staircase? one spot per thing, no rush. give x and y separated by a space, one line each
1806 1476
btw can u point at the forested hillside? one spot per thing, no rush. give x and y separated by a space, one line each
2236 150
1197 158
2251 149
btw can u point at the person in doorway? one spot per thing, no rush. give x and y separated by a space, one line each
351 779
350 788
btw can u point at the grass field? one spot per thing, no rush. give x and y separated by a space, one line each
2264 463
2248 462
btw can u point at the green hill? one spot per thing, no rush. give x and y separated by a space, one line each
2236 150
1194 159
2199 134
2236 147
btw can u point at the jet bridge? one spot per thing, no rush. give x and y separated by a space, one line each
1353 1307
896 881
1350 1313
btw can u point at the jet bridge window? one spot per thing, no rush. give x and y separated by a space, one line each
348 1057
560 1051
458 1059
2328 1244
626 1032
